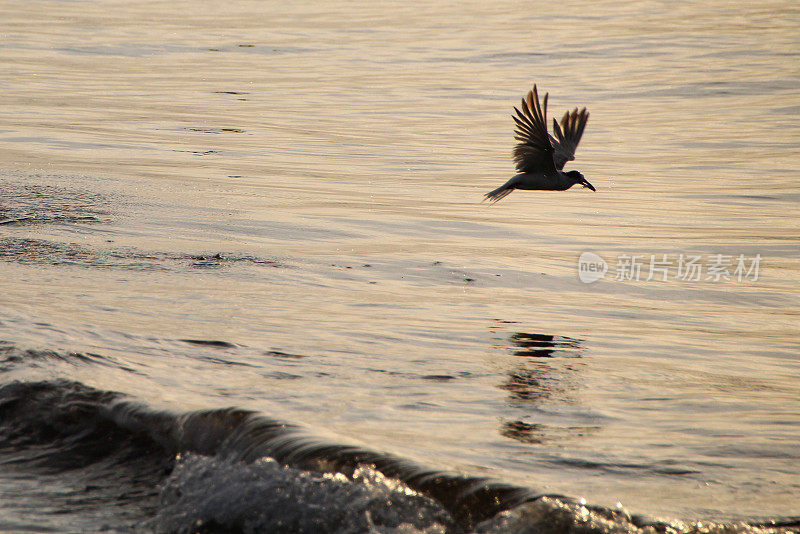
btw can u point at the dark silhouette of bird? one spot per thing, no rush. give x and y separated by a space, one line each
539 156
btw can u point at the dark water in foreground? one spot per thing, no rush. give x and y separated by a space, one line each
116 465
247 283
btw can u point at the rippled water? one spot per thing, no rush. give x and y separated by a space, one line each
277 208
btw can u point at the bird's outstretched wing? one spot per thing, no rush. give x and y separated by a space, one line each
568 135
534 152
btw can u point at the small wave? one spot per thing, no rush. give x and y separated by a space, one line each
45 252
62 425
40 203
210 343
231 470
12 356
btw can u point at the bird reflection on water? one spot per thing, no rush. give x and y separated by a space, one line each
539 381
536 379
546 346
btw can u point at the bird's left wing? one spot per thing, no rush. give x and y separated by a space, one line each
568 135
534 152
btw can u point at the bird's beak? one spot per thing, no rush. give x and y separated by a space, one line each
585 183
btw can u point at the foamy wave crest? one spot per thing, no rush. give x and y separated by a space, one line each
204 493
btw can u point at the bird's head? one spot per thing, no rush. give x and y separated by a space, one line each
577 178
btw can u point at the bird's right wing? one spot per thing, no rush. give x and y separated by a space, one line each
534 152
568 135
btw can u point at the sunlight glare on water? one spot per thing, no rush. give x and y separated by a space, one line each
302 182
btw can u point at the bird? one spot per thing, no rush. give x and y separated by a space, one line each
540 157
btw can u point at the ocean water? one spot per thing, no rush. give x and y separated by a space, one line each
248 284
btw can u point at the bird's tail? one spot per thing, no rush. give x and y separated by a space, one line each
500 193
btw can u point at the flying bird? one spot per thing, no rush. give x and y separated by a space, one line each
539 156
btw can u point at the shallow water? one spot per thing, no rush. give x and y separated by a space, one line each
277 208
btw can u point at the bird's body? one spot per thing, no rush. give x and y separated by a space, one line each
556 181
539 156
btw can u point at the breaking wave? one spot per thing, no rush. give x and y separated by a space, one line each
233 470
